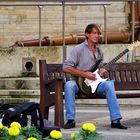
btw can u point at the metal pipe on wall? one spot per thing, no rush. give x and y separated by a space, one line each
40 8
63 31
134 24
136 11
133 21
105 24
133 30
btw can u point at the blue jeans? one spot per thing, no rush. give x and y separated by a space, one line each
105 88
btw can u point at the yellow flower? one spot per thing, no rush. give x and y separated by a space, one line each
1 125
89 127
73 136
15 124
56 134
31 138
13 131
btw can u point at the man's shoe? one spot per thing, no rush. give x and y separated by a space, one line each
118 125
69 125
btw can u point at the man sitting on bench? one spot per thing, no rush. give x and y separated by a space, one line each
84 57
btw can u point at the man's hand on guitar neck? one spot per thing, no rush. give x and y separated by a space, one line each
103 72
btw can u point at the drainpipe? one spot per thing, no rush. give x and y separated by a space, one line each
136 11
105 25
134 24
63 31
40 9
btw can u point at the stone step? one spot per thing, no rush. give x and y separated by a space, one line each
19 96
20 83
20 93
17 100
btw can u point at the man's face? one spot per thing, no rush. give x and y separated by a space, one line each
94 36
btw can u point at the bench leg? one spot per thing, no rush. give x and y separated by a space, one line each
46 101
44 110
59 111
46 113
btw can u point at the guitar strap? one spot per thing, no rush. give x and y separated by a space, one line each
94 56
98 60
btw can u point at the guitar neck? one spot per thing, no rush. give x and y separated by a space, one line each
116 58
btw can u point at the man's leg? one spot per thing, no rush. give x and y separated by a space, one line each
107 88
70 90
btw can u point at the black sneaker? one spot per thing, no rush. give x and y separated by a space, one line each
70 124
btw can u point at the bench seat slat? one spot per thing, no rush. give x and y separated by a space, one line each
127 86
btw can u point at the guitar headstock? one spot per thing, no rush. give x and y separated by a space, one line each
134 45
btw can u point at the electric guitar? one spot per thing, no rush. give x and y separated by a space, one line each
89 86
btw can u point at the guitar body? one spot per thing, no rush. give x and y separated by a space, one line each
86 89
83 86
90 86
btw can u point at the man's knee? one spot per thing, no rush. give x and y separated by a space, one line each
69 85
109 84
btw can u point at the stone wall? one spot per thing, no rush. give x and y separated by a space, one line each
13 60
22 22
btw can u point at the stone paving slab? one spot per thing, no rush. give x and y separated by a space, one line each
99 115
122 101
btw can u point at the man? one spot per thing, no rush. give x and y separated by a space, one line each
82 58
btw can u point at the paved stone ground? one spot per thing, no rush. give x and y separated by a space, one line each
99 115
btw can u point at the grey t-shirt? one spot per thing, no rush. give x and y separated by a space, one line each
82 57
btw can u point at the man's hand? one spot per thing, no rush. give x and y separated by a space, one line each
103 72
90 75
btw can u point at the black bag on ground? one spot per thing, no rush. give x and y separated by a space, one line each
27 114
4 107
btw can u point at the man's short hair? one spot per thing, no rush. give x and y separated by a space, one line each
90 27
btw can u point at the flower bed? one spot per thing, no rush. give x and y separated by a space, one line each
16 132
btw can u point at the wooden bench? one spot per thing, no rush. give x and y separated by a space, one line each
52 79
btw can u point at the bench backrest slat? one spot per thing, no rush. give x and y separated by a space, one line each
138 75
134 77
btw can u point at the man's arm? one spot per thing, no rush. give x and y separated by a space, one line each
79 73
